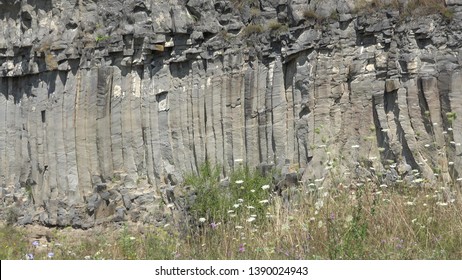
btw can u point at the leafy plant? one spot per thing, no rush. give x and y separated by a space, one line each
451 116
100 38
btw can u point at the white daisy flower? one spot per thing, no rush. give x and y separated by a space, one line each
251 219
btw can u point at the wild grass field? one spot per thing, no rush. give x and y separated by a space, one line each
248 220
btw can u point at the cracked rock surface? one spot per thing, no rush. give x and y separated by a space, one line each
105 105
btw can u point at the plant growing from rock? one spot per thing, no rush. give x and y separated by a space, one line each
451 116
310 14
277 28
101 38
213 202
253 29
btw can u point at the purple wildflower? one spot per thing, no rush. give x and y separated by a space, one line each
29 256
213 225
241 248
400 244
35 243
332 216
51 255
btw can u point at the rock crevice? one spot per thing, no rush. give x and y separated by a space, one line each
105 105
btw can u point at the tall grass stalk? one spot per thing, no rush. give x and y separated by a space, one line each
357 221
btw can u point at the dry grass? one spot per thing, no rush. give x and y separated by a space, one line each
310 14
252 29
50 61
411 9
358 221
347 223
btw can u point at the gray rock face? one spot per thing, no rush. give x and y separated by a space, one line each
105 105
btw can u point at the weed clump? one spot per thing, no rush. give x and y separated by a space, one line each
244 194
253 29
277 28
310 14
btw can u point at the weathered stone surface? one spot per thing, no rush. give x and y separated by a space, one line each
453 2
105 105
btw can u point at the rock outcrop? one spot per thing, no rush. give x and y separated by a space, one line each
105 105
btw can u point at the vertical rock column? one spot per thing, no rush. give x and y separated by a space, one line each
103 121
455 98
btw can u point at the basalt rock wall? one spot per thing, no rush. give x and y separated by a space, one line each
105 105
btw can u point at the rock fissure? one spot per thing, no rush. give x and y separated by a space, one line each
134 95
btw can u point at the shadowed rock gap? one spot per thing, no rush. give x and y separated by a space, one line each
133 95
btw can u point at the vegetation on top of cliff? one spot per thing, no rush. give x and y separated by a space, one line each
410 8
